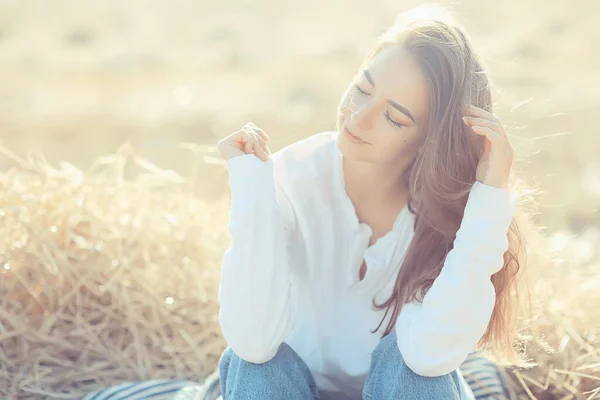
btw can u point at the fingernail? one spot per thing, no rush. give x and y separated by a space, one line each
465 120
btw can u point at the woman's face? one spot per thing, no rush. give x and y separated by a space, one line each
385 108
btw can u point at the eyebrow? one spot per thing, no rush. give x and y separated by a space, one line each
397 106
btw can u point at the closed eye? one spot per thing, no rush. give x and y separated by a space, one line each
387 115
358 88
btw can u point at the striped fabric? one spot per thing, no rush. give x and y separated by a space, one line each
485 379
209 390
157 389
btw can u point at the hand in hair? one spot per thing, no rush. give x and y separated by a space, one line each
248 140
497 158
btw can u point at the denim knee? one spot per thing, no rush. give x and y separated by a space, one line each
284 354
286 375
390 378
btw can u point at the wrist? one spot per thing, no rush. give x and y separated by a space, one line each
495 182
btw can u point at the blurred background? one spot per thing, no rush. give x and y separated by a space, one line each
81 81
79 78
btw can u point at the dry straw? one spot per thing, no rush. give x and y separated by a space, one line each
105 279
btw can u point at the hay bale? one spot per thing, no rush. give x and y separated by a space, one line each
106 279
564 342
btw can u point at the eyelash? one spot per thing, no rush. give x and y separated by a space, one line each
360 90
387 114
398 124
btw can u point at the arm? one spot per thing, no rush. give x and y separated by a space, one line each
436 336
254 293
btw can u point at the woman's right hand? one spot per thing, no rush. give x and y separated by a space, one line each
248 140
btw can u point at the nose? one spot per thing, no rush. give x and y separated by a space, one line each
361 115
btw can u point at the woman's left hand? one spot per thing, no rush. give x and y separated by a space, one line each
497 158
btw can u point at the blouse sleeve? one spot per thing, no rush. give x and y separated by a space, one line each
254 293
435 336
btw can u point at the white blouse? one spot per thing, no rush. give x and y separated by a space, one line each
291 273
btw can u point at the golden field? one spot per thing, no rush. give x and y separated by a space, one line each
113 202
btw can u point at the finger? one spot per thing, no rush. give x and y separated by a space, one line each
487 142
257 148
484 122
494 137
480 112
259 131
260 152
249 141
253 146
263 145
258 138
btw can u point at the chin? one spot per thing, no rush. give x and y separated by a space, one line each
351 151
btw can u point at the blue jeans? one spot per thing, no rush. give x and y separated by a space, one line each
287 377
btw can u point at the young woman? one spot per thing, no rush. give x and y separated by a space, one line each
371 260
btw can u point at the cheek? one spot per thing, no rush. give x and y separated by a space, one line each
398 142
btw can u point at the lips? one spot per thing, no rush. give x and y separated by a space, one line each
353 137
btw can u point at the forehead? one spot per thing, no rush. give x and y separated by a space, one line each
398 77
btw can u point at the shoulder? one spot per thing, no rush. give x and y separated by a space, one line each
308 158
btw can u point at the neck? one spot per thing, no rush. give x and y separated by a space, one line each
375 184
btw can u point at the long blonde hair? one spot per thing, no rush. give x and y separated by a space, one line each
443 171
